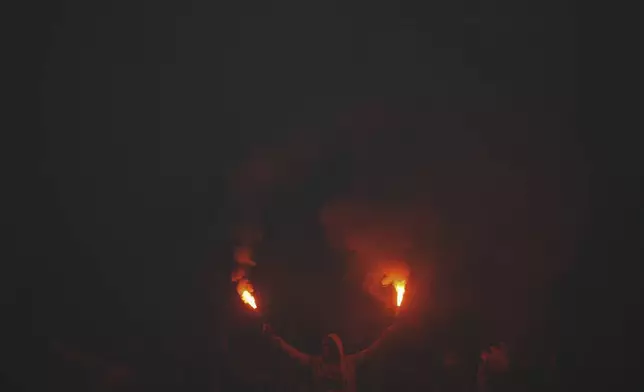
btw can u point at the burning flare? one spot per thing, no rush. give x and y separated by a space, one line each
248 299
245 290
398 279
399 285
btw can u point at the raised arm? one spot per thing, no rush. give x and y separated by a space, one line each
374 347
302 358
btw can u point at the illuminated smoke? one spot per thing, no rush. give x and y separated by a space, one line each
381 240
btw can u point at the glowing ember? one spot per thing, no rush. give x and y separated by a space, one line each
400 291
248 298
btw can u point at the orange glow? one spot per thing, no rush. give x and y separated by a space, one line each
248 298
397 277
400 291
245 291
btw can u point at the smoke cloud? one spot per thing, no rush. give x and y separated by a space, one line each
265 170
240 273
382 238
486 204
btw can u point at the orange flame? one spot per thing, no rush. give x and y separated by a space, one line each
398 279
248 298
245 290
400 291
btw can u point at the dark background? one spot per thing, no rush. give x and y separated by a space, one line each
145 134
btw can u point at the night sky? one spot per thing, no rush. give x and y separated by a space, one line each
160 133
